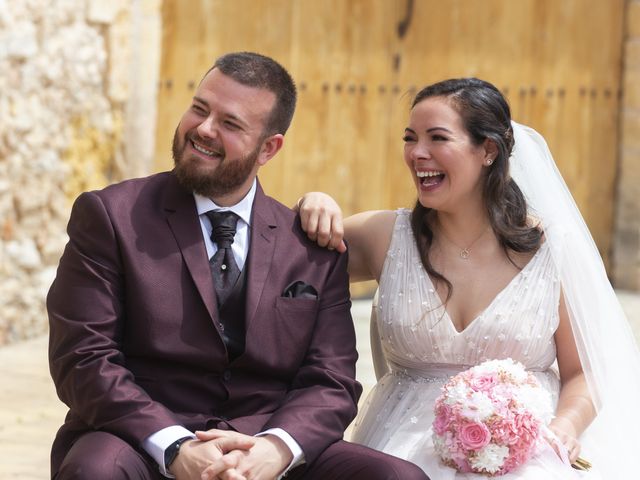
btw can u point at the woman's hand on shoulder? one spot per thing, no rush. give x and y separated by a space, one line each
321 219
368 233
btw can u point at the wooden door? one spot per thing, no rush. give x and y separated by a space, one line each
358 63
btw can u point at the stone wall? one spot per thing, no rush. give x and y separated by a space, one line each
69 71
626 253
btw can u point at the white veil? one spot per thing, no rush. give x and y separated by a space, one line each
606 344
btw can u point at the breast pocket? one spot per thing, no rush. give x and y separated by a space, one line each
295 324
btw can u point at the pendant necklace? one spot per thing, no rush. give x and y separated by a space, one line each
464 251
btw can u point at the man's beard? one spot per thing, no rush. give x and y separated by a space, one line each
197 175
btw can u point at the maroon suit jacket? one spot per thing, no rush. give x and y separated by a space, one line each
134 342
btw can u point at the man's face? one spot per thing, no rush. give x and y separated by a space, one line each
219 144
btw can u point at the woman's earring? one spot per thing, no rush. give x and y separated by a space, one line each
490 161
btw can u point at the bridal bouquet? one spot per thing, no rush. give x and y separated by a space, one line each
490 417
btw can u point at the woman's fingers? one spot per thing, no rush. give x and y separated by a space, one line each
321 219
565 446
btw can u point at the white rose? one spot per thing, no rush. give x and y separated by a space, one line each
537 400
478 407
490 458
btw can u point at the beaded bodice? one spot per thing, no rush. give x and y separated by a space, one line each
416 331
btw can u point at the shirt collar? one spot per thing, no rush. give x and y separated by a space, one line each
242 208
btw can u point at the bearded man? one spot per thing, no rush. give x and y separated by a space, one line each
195 331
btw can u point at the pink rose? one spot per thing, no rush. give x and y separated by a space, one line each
483 383
474 436
442 420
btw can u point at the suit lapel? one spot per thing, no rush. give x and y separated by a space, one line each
261 250
183 220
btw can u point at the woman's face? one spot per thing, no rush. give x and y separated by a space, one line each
447 168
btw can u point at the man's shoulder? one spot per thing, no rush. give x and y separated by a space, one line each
135 198
279 209
135 186
288 222
283 216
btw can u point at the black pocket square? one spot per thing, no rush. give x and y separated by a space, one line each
299 289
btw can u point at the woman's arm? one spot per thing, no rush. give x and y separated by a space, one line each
368 233
575 409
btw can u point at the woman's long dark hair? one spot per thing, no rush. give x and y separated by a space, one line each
485 114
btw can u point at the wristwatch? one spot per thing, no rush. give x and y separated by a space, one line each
171 452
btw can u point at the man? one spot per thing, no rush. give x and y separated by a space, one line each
167 318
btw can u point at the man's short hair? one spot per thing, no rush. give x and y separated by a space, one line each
255 70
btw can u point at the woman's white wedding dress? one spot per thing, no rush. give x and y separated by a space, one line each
422 350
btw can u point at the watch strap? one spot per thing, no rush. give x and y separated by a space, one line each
171 452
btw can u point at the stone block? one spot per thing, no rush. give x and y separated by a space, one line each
23 253
52 247
630 130
101 11
151 7
626 277
630 169
633 19
632 54
7 216
631 89
120 64
31 198
19 42
626 248
5 14
42 280
59 209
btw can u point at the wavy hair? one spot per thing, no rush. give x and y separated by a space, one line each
485 115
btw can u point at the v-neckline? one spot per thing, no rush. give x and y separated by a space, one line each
489 305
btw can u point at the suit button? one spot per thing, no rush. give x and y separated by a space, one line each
226 375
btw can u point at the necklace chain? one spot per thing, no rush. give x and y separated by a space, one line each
464 251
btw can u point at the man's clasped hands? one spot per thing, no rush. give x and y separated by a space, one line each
228 455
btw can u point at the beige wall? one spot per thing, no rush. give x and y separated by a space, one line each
77 77
626 247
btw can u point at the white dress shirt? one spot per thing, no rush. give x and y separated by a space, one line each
156 443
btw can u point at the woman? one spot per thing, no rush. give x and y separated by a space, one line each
475 273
